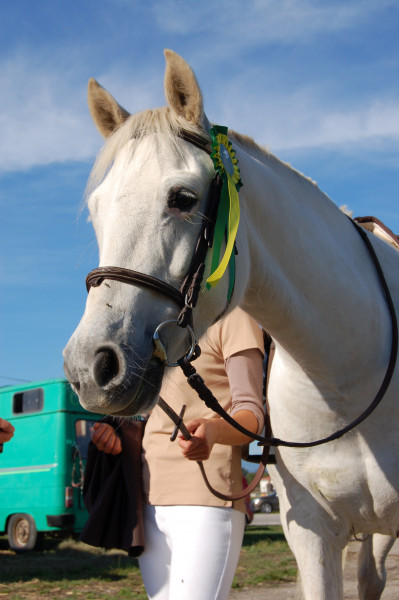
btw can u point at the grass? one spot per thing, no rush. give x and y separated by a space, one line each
69 570
265 558
74 570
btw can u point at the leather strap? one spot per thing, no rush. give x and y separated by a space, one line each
195 140
264 459
97 276
178 421
187 296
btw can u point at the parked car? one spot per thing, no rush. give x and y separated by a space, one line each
266 504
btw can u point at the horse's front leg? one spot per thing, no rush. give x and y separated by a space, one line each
315 540
319 563
371 570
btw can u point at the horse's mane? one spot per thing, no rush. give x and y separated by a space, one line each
161 121
264 155
167 123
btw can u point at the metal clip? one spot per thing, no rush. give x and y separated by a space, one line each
159 348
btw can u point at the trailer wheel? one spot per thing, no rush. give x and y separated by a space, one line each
21 532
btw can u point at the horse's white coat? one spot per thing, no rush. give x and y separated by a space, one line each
304 273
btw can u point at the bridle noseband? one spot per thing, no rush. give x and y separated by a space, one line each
97 276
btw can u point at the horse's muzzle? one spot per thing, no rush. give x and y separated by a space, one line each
111 381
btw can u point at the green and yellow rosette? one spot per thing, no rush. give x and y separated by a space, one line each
228 217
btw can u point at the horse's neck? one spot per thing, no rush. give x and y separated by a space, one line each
311 282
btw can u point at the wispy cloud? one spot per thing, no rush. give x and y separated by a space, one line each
264 21
43 112
44 119
304 120
42 116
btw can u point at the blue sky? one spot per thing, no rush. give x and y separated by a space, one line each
315 81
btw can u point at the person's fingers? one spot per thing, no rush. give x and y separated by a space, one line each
113 445
101 435
193 425
6 431
194 449
6 426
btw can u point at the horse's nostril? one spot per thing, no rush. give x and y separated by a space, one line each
106 366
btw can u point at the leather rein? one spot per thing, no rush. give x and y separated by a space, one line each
186 298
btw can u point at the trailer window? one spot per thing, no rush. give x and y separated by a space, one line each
29 401
83 430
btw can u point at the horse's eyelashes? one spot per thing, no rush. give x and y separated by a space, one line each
182 198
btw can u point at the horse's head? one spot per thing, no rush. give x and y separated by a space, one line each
146 196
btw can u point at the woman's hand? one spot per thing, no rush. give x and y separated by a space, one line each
207 432
105 439
6 431
199 447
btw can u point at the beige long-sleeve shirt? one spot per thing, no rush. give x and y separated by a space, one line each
236 381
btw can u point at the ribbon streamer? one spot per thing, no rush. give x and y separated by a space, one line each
228 217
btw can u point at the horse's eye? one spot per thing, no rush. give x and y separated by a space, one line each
182 199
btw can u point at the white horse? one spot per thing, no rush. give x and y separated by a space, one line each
302 271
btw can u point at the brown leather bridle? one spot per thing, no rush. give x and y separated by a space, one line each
187 296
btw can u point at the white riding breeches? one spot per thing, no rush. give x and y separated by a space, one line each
191 552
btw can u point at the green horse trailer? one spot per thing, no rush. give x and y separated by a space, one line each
42 467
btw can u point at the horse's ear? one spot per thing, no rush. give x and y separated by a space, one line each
104 109
182 90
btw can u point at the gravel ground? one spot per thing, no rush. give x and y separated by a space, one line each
288 591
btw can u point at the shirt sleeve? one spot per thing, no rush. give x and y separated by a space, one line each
245 373
238 331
